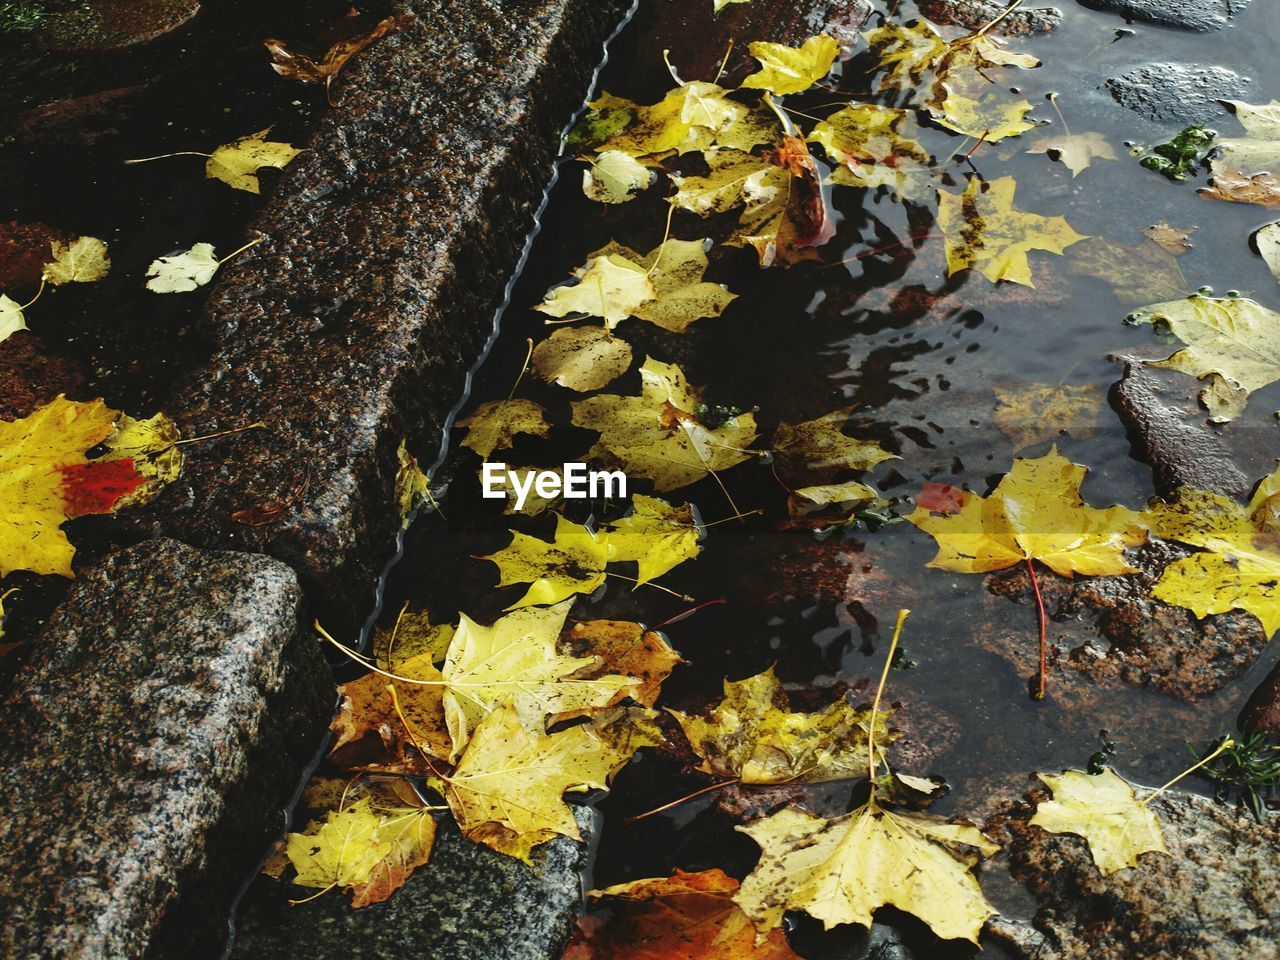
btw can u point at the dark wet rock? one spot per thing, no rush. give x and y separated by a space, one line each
79 121
1213 898
1261 713
31 376
975 14
1180 93
1201 15
152 737
1168 431
111 24
1109 629
24 250
467 903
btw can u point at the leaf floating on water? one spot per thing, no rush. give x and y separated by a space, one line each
615 177
657 535
1258 151
296 66
12 318
1104 810
1233 186
719 5
495 425
867 142
573 562
1032 413
182 272
1176 240
610 287
987 117
413 487
84 260
786 69
581 358
237 163
675 268
620 647
1139 273
1076 151
1267 241
821 444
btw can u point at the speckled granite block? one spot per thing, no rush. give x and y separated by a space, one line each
150 744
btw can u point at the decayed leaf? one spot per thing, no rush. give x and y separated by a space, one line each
656 534
675 268
1233 344
842 870
615 177
988 117
1076 151
572 563
181 272
753 736
658 434
1034 513
1176 240
1032 413
295 66
84 260
803 502
581 358
1232 185
688 916
237 163
366 707
786 69
411 636
1240 565
1268 243
47 479
867 142
1139 272
11 318
986 233
906 52
822 445
611 287
413 487
1103 810
496 424
622 647
693 116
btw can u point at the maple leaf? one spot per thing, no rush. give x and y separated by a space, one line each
84 260
1031 413
1103 810
687 916
867 142
693 116
1176 240
181 272
984 231
988 117
822 445
1139 273
496 423
611 287
47 479
1240 565
1076 151
786 69
1233 345
658 435
675 268
237 163
1233 186
753 736
656 534
803 502
295 66
573 562
11 318
614 177
1034 513
411 636
526 479
622 647
842 870
413 487
718 5
413 718
905 51
581 358
1258 151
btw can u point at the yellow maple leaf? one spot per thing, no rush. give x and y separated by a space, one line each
237 163
615 177
183 272
1030 413
906 52
675 268
1076 151
624 647
573 562
693 116
611 287
1233 344
841 870
988 117
867 142
786 69
753 736
1104 810
495 424
656 534
84 260
413 487
984 232
581 358
1034 513
1138 273
658 434
414 717
822 445
12 318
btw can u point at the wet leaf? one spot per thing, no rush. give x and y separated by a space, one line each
984 231
1231 185
821 445
688 916
84 260
1267 240
413 487
295 66
1034 513
581 358
906 52
496 424
181 272
752 735
842 870
366 707
1076 151
611 287
1233 344
1139 272
11 318
620 647
868 143
988 117
1258 151
411 636
1103 810
693 116
1176 240
719 5
572 563
615 177
786 69
1032 413
657 535
675 268
237 163
658 435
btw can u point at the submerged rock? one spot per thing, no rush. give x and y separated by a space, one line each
976 14
1261 714
1201 15
112 24
1179 93
31 375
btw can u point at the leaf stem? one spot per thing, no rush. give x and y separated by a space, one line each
257 425
523 367
166 156
650 583
872 761
1044 652
1226 744
43 283
251 243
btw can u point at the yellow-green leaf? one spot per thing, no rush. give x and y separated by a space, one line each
675 268
867 142
786 69
1104 810
84 260
581 358
615 177
611 287
496 423
655 534
182 272
237 163
572 563
11 318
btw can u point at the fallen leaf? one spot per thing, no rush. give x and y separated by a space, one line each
573 562
581 358
989 117
295 66
181 272
366 707
534 503
675 268
615 177
1176 240
786 69
906 51
84 260
693 116
752 735
411 636
1032 413
1104 810
1076 151
803 502
657 535
821 445
413 487
621 647
496 423
1233 186
658 435
1267 240
611 287
1258 151
1138 273
984 232
11 318
867 142
237 163
1233 344
842 870
719 5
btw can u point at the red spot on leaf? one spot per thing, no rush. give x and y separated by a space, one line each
97 486
940 498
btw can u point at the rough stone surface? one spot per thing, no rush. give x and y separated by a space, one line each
163 718
975 14
468 903
353 326
1261 713
30 375
112 24
24 250
1213 898
1179 93
1169 432
1201 15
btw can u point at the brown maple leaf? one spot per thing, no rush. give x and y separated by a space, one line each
297 66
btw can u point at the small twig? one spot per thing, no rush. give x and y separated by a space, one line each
687 613
684 799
